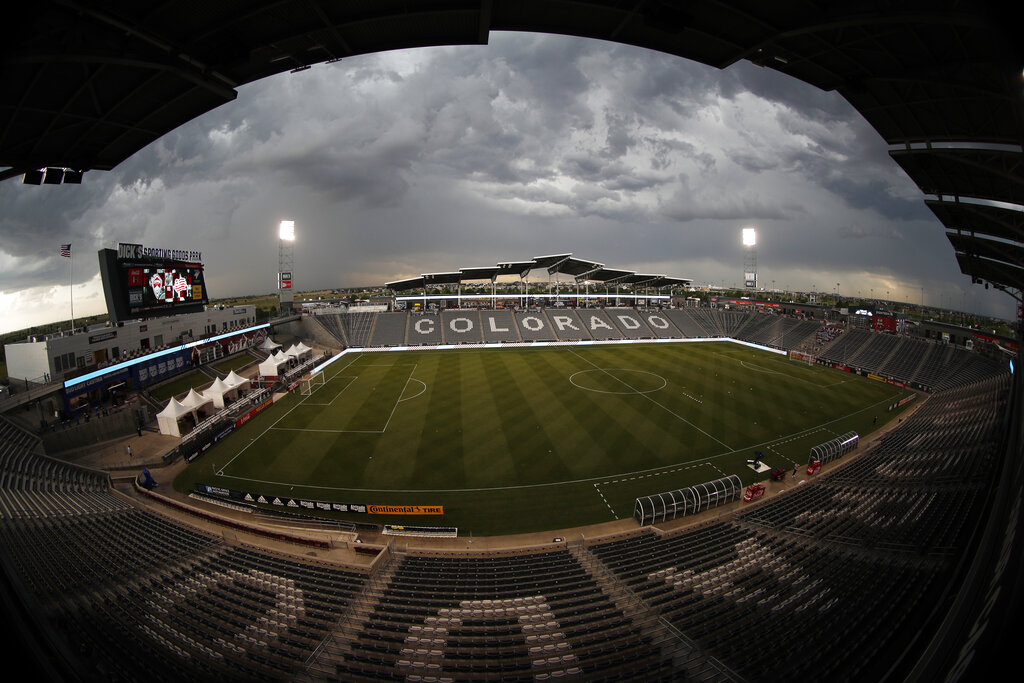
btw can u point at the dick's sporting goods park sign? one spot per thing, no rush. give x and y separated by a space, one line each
317 505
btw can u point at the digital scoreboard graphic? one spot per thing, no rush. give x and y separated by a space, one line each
148 283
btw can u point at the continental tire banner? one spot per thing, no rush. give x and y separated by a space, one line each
405 509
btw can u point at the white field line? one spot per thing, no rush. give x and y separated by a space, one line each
357 431
255 439
678 417
688 464
605 500
399 400
350 378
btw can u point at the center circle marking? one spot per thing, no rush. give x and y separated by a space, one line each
604 371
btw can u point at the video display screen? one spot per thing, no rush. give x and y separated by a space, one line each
151 287
159 286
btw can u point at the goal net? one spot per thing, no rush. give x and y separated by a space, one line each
311 384
805 357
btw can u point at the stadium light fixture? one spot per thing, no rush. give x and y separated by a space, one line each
750 258
287 230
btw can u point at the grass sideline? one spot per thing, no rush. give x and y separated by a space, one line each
527 439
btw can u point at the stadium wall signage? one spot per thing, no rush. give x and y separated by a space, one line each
203 446
254 412
318 505
132 252
161 368
103 336
406 509
281 501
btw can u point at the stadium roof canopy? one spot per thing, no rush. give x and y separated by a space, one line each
480 273
550 263
442 278
995 221
86 83
408 283
609 275
581 269
665 281
575 267
520 268
641 280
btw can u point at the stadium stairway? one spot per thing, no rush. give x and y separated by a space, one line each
688 659
333 333
854 562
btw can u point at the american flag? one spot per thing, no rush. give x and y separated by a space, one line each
65 250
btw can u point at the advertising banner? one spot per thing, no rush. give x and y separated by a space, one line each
406 509
318 505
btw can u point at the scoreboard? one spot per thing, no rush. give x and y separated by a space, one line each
149 283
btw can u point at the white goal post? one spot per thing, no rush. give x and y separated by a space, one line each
312 383
805 357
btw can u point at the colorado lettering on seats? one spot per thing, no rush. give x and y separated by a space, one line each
564 322
532 323
629 322
460 325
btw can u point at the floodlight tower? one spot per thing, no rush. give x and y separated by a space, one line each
750 258
285 263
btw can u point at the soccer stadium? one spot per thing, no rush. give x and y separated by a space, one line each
604 481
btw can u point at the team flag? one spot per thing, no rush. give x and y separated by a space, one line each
65 250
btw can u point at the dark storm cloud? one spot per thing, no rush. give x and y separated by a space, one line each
409 162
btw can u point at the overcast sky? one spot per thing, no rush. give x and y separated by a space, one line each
409 162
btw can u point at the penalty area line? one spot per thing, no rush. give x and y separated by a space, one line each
220 473
605 500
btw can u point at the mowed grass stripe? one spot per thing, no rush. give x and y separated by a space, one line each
498 412
581 432
535 423
626 427
487 454
369 401
440 455
667 409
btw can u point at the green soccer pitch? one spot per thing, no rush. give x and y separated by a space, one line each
528 439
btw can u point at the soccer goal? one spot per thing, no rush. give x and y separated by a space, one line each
804 357
312 383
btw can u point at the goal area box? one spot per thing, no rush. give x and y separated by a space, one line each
311 384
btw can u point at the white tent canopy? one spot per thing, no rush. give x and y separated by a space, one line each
299 351
268 345
270 367
235 381
167 419
196 401
216 392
